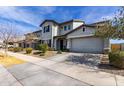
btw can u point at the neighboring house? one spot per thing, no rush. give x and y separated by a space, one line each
14 42
101 23
31 40
74 35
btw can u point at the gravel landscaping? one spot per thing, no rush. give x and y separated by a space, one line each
92 61
89 60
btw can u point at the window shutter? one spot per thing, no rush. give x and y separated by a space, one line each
44 29
48 28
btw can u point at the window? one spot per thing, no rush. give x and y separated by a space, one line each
47 29
69 27
65 28
83 29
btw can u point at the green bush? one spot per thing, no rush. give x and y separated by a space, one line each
43 48
17 49
28 50
39 47
116 59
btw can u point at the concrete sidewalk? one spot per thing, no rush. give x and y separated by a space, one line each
82 74
7 79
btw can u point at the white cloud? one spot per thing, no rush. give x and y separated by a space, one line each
20 14
106 17
25 15
47 9
97 14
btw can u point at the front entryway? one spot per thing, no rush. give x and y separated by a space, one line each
61 44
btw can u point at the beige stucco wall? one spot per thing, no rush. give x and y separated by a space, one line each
79 33
73 26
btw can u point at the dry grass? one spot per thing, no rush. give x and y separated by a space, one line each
49 54
9 60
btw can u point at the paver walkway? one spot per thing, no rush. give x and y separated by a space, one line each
46 72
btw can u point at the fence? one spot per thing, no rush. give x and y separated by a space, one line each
117 47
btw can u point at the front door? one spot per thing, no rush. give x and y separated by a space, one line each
61 44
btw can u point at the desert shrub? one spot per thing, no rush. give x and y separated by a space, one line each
28 50
51 49
21 49
43 48
10 49
116 59
39 47
17 49
59 52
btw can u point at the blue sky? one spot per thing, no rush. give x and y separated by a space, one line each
28 19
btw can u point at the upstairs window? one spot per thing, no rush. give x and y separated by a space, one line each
65 28
83 29
47 29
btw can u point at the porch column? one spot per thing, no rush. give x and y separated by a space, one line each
55 43
68 43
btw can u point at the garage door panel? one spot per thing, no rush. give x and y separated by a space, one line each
93 45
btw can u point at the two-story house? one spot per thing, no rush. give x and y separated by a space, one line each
74 35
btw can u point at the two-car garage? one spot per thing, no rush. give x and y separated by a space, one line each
83 40
89 44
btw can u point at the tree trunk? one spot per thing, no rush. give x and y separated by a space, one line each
6 49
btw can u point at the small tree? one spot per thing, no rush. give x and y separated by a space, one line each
106 30
113 29
7 33
118 22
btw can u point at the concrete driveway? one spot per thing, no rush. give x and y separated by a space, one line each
38 71
29 74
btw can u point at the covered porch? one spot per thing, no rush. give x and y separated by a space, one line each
60 43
